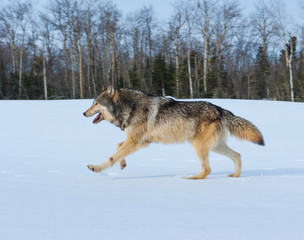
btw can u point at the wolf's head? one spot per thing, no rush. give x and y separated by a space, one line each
103 105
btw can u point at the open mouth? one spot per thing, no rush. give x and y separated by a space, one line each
98 118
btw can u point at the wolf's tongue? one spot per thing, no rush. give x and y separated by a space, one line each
97 117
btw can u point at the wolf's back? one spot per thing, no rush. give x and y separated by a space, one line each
242 128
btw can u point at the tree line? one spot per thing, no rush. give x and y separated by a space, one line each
206 48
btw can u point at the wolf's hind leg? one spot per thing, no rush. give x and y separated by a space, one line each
122 163
223 149
202 153
201 149
207 136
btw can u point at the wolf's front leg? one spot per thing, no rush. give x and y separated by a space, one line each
100 167
104 165
127 147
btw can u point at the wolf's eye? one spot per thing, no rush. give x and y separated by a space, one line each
95 104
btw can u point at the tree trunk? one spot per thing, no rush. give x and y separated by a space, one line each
44 72
197 81
80 72
103 59
288 58
248 84
20 63
176 68
109 59
113 60
65 63
205 63
12 46
119 64
290 70
89 45
266 57
95 55
150 57
72 66
189 72
291 80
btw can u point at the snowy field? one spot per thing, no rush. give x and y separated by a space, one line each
47 192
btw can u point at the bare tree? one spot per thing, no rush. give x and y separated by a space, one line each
58 18
175 28
15 19
188 10
264 29
226 24
44 68
109 18
78 23
243 57
148 22
284 33
23 11
205 14
10 26
90 31
139 32
63 19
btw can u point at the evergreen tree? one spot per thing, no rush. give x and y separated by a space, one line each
135 83
262 72
299 82
3 80
162 77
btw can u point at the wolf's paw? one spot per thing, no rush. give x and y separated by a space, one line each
201 175
94 168
233 175
123 164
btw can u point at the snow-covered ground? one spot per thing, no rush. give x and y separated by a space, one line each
47 192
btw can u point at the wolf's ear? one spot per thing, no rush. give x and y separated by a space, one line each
110 90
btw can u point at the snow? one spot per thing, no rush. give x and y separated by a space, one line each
47 192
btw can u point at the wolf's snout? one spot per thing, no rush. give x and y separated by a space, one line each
84 114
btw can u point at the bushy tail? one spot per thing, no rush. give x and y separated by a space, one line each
242 128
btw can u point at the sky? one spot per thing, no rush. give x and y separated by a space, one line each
163 8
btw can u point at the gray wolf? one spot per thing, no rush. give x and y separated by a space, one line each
149 119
